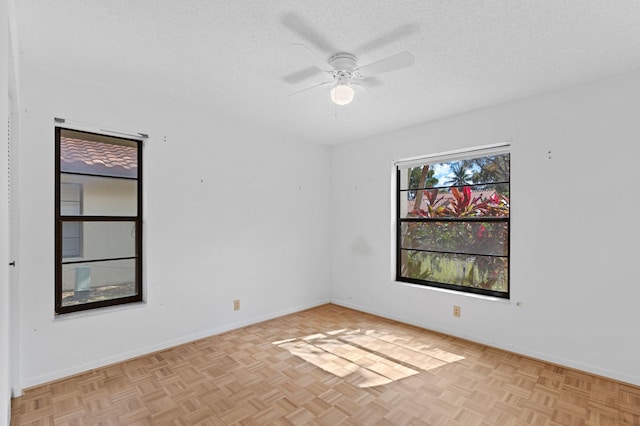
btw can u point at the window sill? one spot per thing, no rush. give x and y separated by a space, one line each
99 311
454 292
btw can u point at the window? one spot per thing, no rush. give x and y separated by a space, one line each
453 221
98 220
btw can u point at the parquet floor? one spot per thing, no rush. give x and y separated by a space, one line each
330 366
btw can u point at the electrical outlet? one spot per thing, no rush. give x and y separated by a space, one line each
456 311
236 305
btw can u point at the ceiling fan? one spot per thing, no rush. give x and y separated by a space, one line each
345 73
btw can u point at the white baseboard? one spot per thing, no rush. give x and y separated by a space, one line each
542 356
67 372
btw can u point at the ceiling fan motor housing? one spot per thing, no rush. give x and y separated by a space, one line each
343 62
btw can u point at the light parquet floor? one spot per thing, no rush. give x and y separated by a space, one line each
330 366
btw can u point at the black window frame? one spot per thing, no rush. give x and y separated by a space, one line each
400 221
60 219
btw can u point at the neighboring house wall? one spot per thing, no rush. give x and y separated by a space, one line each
574 275
103 197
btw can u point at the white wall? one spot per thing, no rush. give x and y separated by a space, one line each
5 306
574 227
229 213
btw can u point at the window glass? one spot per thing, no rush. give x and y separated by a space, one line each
99 155
105 281
487 238
102 196
105 240
453 223
98 221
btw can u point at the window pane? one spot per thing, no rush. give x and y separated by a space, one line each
482 272
98 281
418 177
473 171
101 196
102 240
494 168
469 201
100 155
487 238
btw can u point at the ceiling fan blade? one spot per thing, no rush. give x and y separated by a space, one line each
392 63
302 75
310 56
365 90
392 36
324 83
304 30
370 82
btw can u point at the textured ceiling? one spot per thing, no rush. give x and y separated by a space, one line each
233 56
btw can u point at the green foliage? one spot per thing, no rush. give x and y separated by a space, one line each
416 173
491 169
475 236
416 268
462 204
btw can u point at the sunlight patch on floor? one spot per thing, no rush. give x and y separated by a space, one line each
371 357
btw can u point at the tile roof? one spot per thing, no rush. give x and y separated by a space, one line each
98 158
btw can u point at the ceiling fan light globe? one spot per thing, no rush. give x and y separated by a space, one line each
342 94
